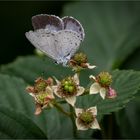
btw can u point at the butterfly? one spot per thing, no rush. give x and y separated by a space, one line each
58 38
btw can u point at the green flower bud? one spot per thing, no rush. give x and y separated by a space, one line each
66 88
80 58
86 117
71 89
105 79
70 83
41 86
41 97
66 83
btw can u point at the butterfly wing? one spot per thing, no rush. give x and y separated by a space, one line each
62 40
68 43
44 42
72 24
44 21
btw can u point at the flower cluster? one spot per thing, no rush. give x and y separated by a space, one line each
46 92
59 38
42 94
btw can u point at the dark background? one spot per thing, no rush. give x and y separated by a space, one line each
15 20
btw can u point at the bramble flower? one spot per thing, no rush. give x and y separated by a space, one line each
79 61
86 119
102 85
42 94
68 89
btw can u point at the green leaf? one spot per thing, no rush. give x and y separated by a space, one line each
14 125
112 30
31 67
126 83
131 115
13 96
51 122
59 125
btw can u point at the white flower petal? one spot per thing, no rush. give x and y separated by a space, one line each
93 110
55 88
103 92
33 95
90 66
80 90
57 81
45 106
78 111
94 88
79 126
76 79
71 100
49 90
95 125
38 109
92 77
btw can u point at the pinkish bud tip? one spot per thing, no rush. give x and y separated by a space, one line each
111 93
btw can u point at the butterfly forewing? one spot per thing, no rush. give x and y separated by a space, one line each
72 24
51 22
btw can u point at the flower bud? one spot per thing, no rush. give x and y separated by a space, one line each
68 86
40 84
111 93
80 58
104 79
86 117
41 97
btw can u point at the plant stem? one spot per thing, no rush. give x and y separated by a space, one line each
61 109
73 121
70 114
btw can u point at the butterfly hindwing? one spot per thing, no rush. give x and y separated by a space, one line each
44 42
68 43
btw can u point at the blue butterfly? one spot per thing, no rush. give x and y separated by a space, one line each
57 38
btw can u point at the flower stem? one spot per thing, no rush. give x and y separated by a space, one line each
61 109
73 121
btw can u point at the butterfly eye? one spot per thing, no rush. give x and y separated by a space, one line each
56 62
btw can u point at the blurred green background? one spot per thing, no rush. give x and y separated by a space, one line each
112 37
